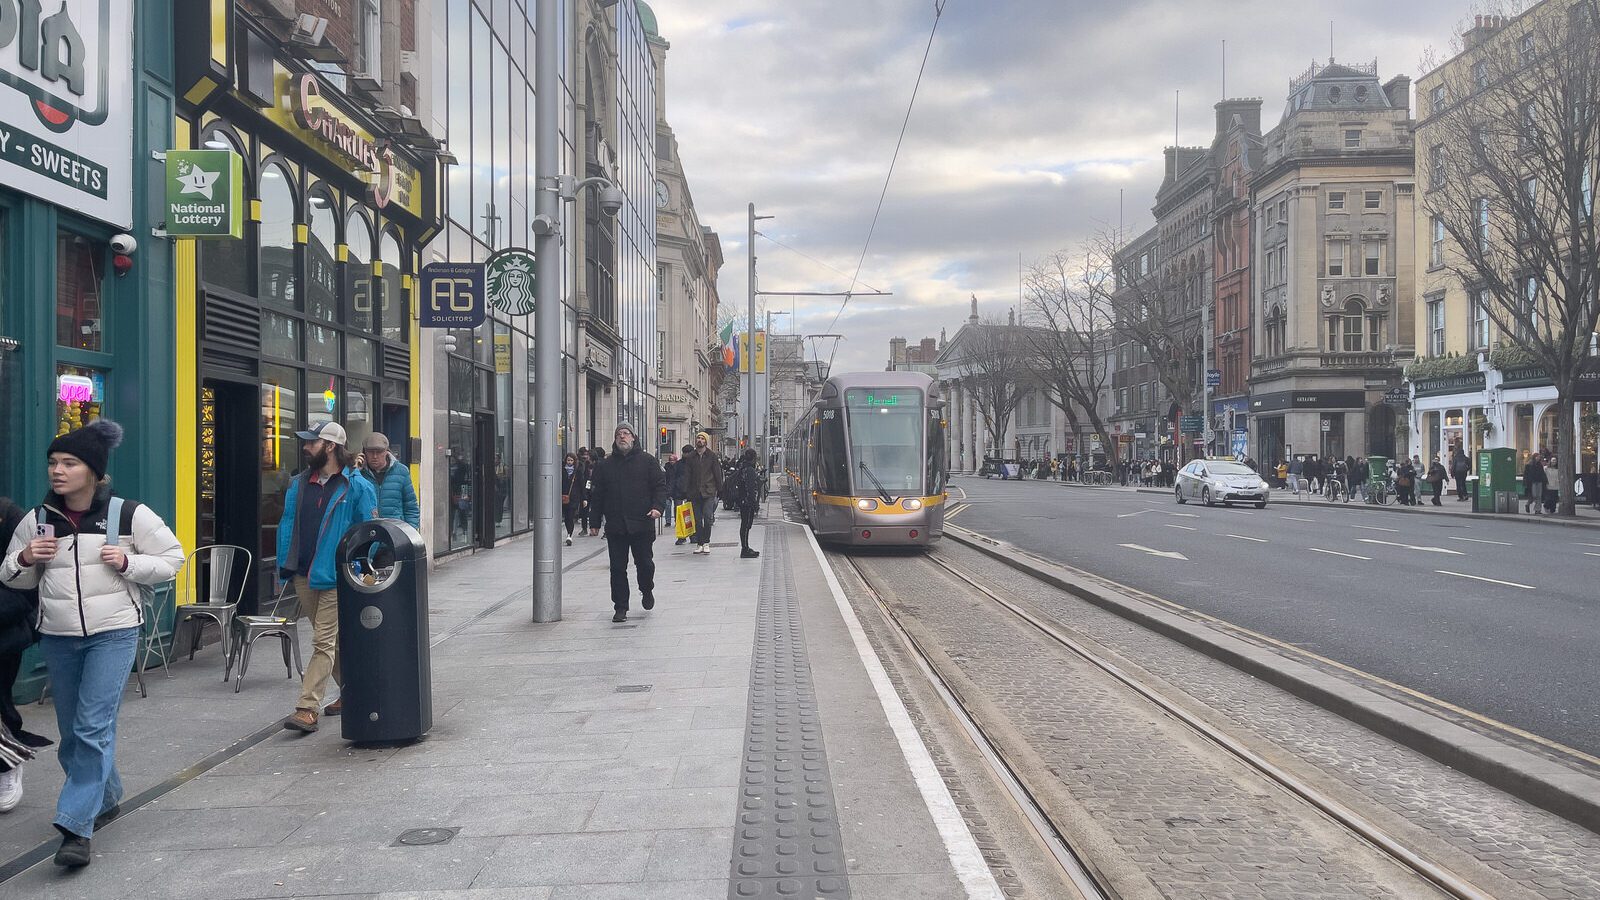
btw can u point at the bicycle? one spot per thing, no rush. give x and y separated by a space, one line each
1377 492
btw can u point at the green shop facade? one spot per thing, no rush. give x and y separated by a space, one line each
86 95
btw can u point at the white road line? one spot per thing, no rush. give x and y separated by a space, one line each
1135 513
1243 538
1169 554
1587 553
1376 528
1581 544
1183 515
1337 553
1526 587
962 848
1176 525
1481 541
1412 547
1296 519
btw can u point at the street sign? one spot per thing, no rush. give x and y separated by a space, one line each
1327 425
1397 396
509 276
452 295
1193 423
205 194
1213 377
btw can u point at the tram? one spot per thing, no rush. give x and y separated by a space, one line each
867 462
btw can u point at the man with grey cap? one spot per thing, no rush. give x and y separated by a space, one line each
321 504
391 481
629 492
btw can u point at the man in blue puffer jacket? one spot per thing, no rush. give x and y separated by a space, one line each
397 496
321 504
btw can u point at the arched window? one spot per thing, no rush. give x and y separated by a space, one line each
1346 327
322 270
225 263
393 301
277 277
358 272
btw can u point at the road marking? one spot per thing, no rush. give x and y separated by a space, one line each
1184 515
1138 513
1412 546
1526 587
1587 553
1176 525
1482 541
1296 519
1243 538
1337 553
1168 554
1376 528
1581 544
963 492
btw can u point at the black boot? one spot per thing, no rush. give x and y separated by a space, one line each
619 616
747 553
74 852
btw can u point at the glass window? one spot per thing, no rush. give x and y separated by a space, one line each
1480 74
360 355
1335 258
886 440
280 336
1336 199
280 450
1372 200
393 296
1436 166
1352 139
1483 222
1525 49
322 272
499 223
1436 248
1436 327
80 396
360 409
1436 99
358 272
832 464
276 257
460 112
324 391
1354 315
80 280
369 38
322 346
1372 261
482 130
1478 337
226 263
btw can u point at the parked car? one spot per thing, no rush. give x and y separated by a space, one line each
1220 481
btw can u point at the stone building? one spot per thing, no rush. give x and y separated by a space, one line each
1238 151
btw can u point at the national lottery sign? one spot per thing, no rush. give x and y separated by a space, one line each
66 104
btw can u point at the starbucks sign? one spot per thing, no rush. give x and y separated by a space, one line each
205 193
510 278
66 104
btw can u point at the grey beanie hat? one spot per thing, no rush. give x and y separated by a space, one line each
625 426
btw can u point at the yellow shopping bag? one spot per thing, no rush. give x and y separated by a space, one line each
683 518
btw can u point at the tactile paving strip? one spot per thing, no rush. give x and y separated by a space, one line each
786 841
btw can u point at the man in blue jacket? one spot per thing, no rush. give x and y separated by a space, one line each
321 504
397 496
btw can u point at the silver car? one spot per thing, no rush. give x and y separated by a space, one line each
1220 481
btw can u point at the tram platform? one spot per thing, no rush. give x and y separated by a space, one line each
739 740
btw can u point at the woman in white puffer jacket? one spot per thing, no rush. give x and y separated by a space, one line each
89 615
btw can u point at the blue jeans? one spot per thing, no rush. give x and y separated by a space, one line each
87 680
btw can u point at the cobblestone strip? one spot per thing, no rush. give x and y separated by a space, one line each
1536 851
786 840
1196 821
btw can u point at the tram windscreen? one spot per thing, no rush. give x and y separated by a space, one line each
886 433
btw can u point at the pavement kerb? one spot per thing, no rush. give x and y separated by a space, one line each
1545 783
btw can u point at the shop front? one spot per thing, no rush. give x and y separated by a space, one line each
1327 423
307 316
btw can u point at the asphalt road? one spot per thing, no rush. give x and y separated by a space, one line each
1501 618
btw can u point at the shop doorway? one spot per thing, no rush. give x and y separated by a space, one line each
1269 440
231 445
486 505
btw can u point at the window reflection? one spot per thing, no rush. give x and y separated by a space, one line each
358 272
80 278
278 278
226 263
393 302
280 450
322 279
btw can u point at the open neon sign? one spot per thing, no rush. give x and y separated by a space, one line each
74 389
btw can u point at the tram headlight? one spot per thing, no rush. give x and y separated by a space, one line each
866 504
911 503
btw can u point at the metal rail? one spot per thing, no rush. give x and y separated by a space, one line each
1074 867
1437 875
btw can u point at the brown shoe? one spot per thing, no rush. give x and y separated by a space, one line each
334 708
303 720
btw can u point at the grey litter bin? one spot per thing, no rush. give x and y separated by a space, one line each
383 633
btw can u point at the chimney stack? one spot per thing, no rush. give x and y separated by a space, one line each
1398 90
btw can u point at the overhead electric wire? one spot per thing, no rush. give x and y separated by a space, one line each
810 257
938 11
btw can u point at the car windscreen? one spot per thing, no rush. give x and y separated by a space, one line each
1228 468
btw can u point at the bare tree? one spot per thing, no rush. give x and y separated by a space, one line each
1071 333
1512 186
1157 308
994 366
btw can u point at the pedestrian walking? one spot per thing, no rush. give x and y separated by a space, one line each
19 611
87 552
678 483
667 467
747 484
323 501
1436 478
1533 482
702 487
1459 467
628 493
571 493
1552 485
390 481
1405 484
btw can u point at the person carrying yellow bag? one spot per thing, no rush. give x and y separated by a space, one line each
683 520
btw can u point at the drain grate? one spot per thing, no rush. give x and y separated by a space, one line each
632 688
425 837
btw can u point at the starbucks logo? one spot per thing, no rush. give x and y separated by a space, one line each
510 281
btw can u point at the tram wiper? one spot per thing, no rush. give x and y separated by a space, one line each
882 491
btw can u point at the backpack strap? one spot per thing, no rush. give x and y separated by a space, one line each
113 520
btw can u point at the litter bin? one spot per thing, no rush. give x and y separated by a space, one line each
383 633
1497 473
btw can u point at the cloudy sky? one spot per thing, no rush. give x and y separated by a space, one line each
1031 117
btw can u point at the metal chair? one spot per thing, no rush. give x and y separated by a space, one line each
249 629
209 599
150 600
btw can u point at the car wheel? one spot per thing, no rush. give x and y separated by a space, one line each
1177 491
1205 496
1261 505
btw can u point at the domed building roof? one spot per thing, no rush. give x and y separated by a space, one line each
647 18
1338 86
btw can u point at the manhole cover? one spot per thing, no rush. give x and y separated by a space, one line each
632 688
423 837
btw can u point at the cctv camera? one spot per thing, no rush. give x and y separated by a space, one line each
611 200
124 244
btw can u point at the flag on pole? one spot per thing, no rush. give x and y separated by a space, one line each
730 348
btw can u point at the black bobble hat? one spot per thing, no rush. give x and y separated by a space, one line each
92 443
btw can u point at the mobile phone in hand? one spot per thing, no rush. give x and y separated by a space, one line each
44 530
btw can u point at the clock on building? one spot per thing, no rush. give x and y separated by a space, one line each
662 194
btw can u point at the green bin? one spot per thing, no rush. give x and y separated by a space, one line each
1497 473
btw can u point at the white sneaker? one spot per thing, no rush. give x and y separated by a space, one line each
569 540
10 789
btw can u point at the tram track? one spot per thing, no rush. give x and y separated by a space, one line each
1021 781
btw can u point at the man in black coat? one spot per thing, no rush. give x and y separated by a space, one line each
629 491
19 611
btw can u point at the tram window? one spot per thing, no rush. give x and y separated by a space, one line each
936 453
886 436
833 466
